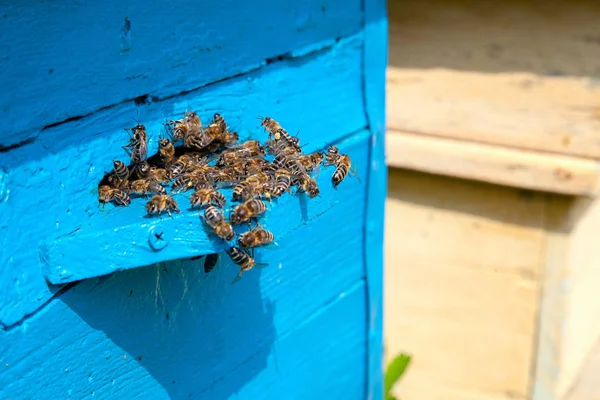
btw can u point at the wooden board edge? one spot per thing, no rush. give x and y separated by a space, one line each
374 79
494 164
548 341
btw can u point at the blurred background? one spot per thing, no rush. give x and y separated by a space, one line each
493 217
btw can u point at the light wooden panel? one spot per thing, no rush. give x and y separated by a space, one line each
463 266
522 74
495 164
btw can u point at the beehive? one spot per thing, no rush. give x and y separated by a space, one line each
89 305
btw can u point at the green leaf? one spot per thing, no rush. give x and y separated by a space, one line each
394 371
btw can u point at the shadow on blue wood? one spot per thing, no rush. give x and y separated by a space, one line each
185 328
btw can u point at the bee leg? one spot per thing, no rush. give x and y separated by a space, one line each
238 277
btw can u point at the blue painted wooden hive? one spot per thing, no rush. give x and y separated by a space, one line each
87 307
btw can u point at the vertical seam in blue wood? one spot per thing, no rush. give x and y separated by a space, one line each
374 67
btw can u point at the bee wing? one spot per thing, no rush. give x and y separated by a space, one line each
353 171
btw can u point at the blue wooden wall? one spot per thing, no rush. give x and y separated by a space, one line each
87 308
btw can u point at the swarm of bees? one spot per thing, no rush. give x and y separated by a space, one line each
205 159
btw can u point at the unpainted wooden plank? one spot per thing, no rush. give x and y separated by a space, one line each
580 328
66 60
501 165
49 187
520 74
585 386
521 110
463 271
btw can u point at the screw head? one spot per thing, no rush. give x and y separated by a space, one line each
157 238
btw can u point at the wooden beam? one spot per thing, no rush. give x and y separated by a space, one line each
494 164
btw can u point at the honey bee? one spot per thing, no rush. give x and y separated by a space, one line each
280 147
308 185
185 162
207 196
245 211
210 261
216 220
250 187
121 170
242 259
331 156
185 182
138 145
189 125
141 170
342 166
144 186
160 175
230 138
162 203
117 196
273 127
256 237
166 151
193 120
251 148
311 161
283 181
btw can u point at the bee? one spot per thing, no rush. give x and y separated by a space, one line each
283 181
242 259
143 186
162 203
160 175
308 185
273 127
117 183
332 155
189 125
184 163
220 121
245 211
117 196
256 237
210 261
292 164
230 138
251 148
280 147
311 161
141 170
166 151
216 220
254 166
121 170
138 145
184 182
193 121
245 190
342 167
180 129
206 196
